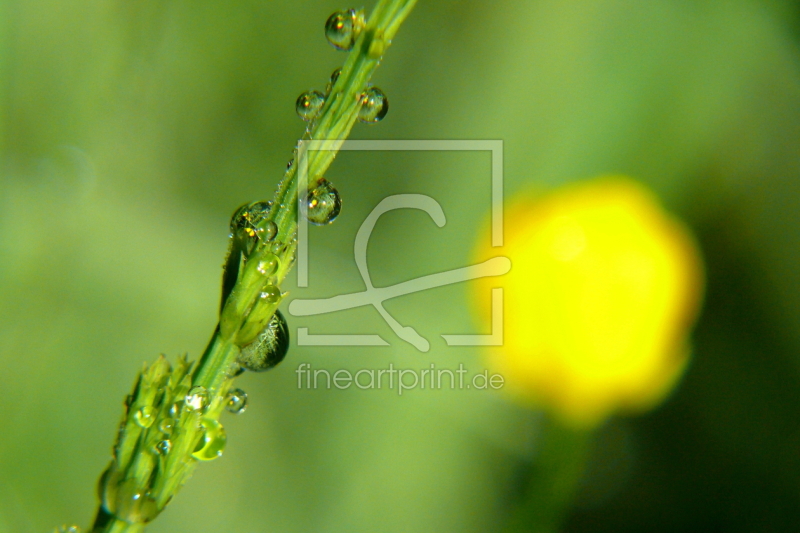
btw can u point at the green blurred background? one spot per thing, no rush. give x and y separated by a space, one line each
131 130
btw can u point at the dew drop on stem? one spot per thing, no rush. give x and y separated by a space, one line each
212 443
334 77
145 416
250 225
343 28
309 104
196 399
166 426
67 529
324 204
163 447
133 504
236 401
374 106
269 348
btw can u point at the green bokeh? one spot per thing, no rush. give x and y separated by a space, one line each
130 131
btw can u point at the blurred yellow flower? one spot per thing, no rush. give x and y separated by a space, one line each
603 289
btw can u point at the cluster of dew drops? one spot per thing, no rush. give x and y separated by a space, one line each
124 499
342 30
248 225
324 204
197 399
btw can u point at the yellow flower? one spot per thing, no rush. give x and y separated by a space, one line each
603 289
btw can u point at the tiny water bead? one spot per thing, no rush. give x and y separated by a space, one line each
67 529
163 447
213 442
268 265
271 294
269 348
166 426
343 28
309 104
268 230
197 399
145 416
236 401
334 77
374 106
324 204
234 370
133 504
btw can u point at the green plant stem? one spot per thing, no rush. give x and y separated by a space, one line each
555 478
140 482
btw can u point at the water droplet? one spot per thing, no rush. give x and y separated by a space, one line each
270 229
197 399
260 314
236 402
107 488
324 204
268 265
343 28
334 76
249 225
234 369
174 410
213 442
101 483
374 106
269 348
166 426
67 529
133 504
145 416
271 294
163 447
309 104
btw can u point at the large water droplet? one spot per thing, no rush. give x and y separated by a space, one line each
236 402
213 442
197 399
163 447
249 225
324 204
133 504
145 416
269 348
309 104
343 28
374 106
